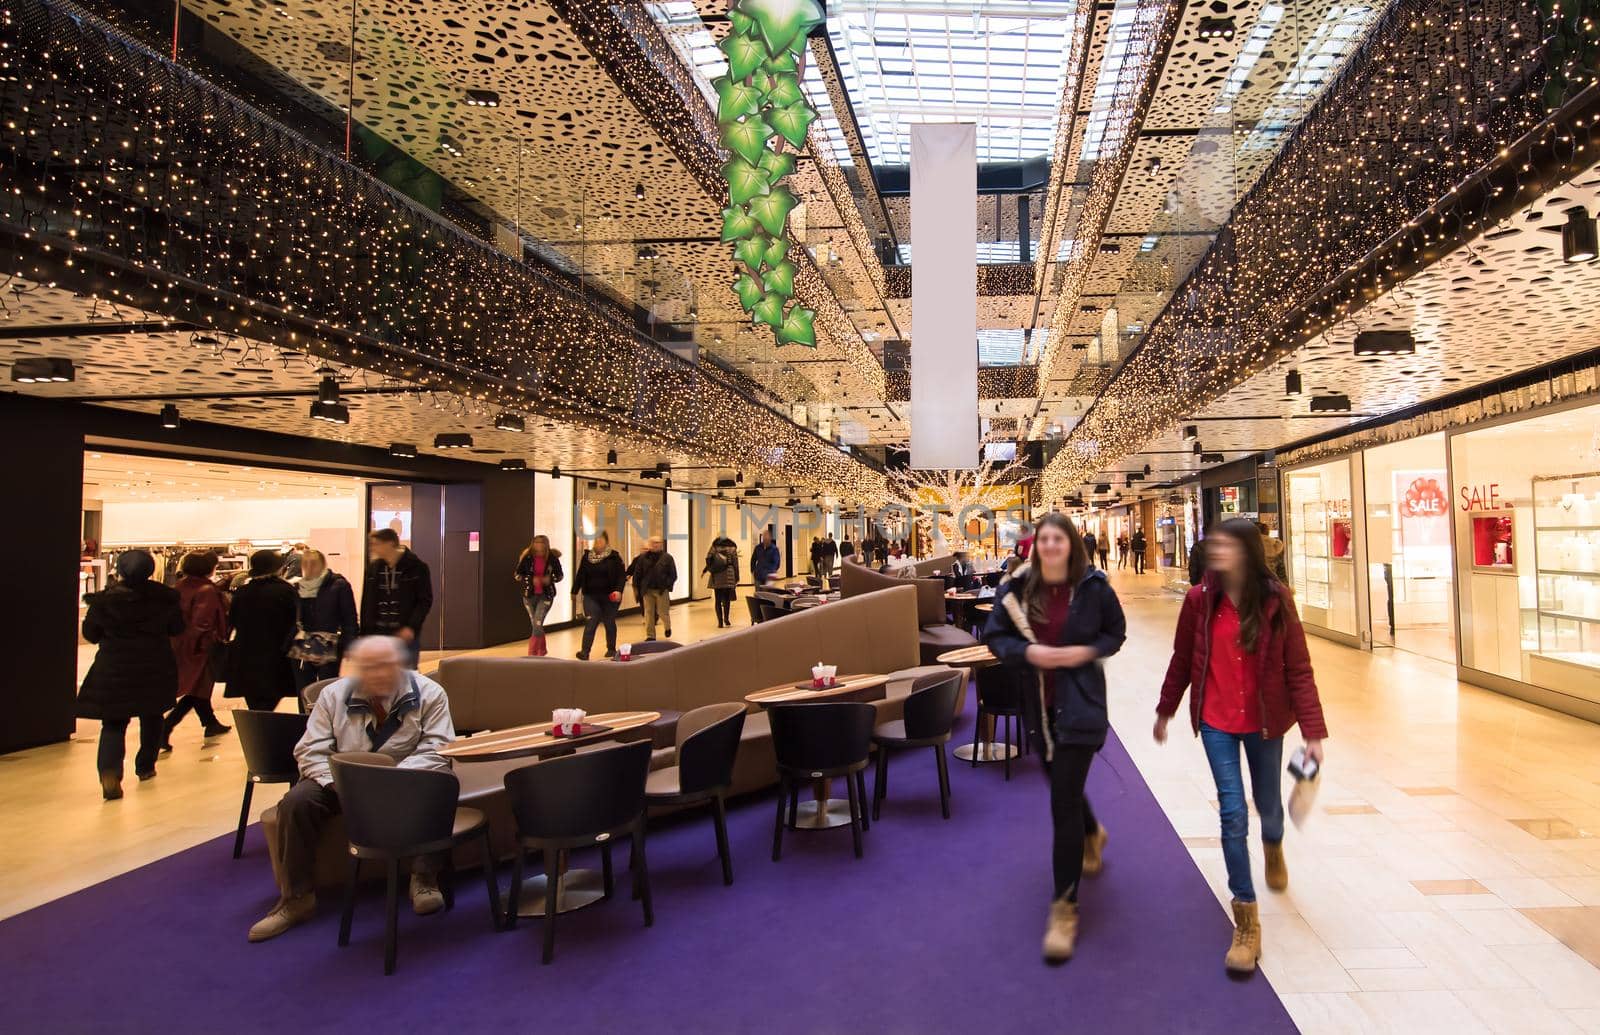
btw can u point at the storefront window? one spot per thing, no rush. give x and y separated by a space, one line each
1527 504
1322 545
1409 561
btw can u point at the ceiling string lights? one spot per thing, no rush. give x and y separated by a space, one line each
203 210
1375 183
759 99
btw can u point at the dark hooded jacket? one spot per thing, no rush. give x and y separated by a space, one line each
134 672
1067 703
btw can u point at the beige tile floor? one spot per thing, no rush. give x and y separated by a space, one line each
1448 880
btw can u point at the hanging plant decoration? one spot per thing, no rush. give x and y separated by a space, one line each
760 99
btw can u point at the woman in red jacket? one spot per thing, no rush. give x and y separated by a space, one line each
205 624
1241 649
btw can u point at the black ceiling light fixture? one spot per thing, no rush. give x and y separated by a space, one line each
1385 343
555 472
452 440
1211 458
451 146
1217 28
170 417
1337 403
638 192
509 421
513 464
1191 432
54 370
611 458
1153 166
1197 449
403 450
1147 470
1292 385
483 99
1578 238
328 408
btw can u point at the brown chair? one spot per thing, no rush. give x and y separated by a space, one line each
817 741
653 646
581 800
268 740
930 713
312 691
702 768
393 814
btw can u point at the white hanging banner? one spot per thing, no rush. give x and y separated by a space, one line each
944 296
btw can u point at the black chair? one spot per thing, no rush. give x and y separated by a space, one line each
754 605
820 741
1000 695
577 801
268 740
930 713
771 611
653 646
393 814
702 768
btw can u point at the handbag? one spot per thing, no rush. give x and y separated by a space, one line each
314 648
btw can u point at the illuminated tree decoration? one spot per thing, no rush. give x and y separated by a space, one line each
759 99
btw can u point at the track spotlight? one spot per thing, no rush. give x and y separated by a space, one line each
1578 236
328 390
509 421
170 418
330 412
1191 432
403 450
638 192
1197 449
43 371
1292 384
555 472
452 440
611 458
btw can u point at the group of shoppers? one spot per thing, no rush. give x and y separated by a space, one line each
162 650
1240 654
824 554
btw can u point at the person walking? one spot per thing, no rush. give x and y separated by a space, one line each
398 594
264 616
765 560
205 627
1103 548
816 556
1138 545
654 573
598 584
1241 653
1053 621
847 550
326 609
1274 550
1122 551
722 575
830 554
538 571
134 674
1090 544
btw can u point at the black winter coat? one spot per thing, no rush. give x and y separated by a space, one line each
263 619
552 574
396 598
1069 703
599 578
333 609
653 571
134 672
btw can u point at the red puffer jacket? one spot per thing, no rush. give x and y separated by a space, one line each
1284 680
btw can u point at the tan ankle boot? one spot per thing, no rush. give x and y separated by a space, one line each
1277 869
1094 847
1246 947
1061 936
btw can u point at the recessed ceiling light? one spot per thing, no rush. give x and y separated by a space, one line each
451 146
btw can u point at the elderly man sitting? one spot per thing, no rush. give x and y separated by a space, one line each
381 708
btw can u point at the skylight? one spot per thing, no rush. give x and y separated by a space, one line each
1010 347
1121 70
999 65
1338 34
1249 54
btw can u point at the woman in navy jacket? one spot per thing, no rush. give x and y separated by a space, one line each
1054 620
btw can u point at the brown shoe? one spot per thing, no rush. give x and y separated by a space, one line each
1061 936
289 912
1094 847
426 897
1246 947
1277 869
110 785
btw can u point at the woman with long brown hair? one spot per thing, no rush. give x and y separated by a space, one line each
1052 622
538 571
1242 653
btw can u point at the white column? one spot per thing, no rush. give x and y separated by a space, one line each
944 296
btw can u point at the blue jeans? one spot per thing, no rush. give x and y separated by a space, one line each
1264 758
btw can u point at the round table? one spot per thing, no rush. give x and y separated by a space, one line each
825 811
577 888
988 749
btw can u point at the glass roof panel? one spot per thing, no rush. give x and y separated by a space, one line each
999 65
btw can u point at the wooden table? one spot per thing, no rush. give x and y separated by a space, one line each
988 749
577 888
536 739
825 811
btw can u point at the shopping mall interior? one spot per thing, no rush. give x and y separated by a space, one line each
502 427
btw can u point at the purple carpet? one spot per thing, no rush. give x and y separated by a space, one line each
937 929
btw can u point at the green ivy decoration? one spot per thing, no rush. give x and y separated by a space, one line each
759 99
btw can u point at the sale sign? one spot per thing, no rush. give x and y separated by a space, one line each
1421 507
